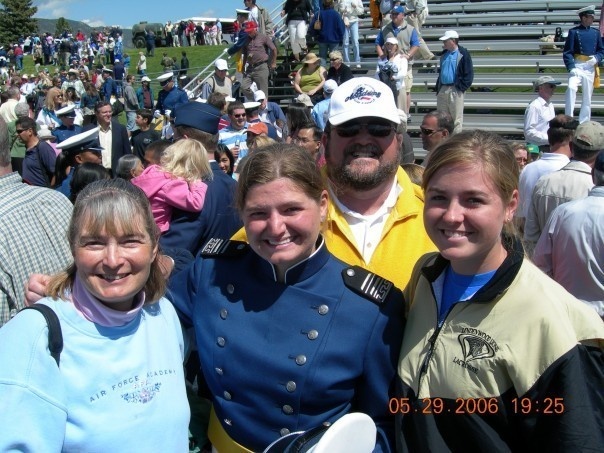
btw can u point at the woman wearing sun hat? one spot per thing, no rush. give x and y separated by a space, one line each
310 79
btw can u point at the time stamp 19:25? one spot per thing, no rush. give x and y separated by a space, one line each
468 406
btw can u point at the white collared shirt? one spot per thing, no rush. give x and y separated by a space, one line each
106 141
368 229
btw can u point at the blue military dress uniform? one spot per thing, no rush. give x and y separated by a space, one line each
284 357
62 133
581 44
169 100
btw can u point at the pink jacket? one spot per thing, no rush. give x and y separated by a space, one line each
165 191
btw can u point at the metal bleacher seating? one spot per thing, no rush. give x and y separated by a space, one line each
503 37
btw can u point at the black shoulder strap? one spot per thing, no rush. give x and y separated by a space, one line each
55 334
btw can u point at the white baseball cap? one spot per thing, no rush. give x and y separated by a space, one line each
362 97
449 34
259 96
221 65
329 86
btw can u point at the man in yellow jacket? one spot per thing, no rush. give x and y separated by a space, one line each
375 216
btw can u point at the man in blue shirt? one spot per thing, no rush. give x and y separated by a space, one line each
454 78
170 95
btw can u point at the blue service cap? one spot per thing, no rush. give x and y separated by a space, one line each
198 115
398 10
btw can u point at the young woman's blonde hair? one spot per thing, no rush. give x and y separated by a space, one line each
186 159
114 206
51 96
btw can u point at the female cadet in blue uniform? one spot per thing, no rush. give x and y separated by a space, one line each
288 336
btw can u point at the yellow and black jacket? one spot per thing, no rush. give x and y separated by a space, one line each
518 367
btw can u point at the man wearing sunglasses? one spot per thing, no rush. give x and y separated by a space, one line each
436 127
375 215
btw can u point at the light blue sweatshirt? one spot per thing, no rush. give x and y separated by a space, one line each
118 389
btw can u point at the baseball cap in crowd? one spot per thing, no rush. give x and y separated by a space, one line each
546 80
145 79
392 40
304 99
599 165
250 26
221 65
201 116
258 128
329 86
532 149
362 97
398 10
589 136
165 78
259 96
449 34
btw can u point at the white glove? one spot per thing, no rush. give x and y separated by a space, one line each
592 61
156 114
168 112
574 72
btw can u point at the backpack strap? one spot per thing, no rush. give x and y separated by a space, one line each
55 334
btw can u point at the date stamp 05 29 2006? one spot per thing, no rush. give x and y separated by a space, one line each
482 406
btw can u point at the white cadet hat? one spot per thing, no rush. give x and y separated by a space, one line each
259 96
449 34
591 10
362 97
242 12
67 111
251 105
221 65
165 78
145 79
86 141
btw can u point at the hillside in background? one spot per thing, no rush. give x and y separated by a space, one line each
50 25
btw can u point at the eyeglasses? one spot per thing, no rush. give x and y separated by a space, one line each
19 131
428 132
374 129
238 115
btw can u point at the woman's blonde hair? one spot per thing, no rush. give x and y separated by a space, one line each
114 206
186 159
261 141
483 148
51 96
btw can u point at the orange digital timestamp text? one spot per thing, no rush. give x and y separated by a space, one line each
436 406
546 406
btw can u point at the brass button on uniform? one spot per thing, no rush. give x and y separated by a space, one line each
290 386
230 288
287 409
323 309
219 371
221 341
350 272
312 335
227 396
301 359
284 432
224 313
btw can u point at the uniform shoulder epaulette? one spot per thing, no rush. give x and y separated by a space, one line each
367 284
217 247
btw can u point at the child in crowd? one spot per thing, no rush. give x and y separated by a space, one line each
177 182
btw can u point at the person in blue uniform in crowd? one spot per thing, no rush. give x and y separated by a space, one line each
583 52
170 95
218 218
67 128
289 337
76 150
